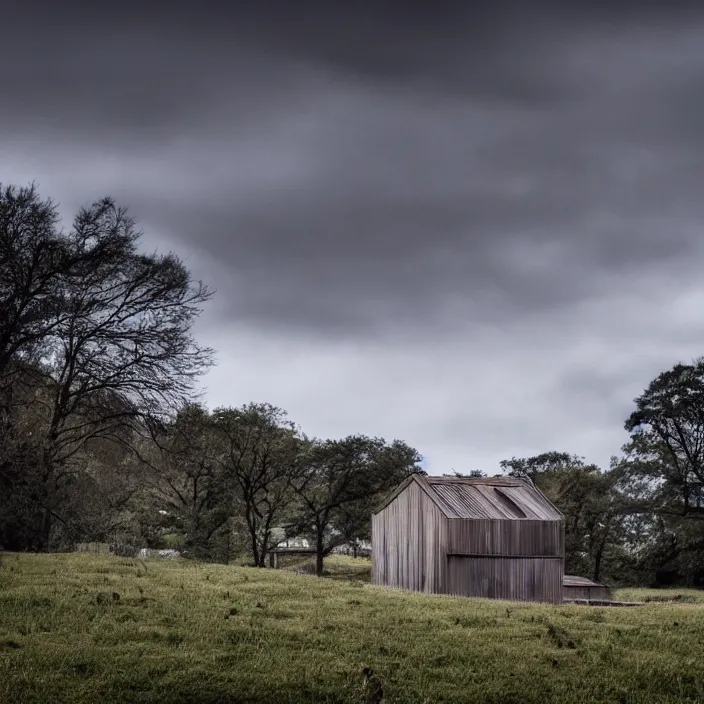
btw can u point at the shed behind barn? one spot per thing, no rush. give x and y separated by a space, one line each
496 537
582 588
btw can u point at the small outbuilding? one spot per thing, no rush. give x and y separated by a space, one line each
574 587
497 538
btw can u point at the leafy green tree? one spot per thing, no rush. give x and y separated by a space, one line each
188 480
667 440
102 330
541 465
339 484
662 475
258 454
588 499
472 474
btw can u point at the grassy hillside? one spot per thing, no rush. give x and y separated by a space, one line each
81 628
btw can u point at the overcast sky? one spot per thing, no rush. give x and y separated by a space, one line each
478 231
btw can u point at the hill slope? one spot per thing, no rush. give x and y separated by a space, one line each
79 628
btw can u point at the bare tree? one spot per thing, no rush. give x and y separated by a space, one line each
120 350
33 259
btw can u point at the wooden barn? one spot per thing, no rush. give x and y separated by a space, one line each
582 588
498 538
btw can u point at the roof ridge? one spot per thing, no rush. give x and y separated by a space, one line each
476 480
461 497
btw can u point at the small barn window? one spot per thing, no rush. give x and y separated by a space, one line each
510 504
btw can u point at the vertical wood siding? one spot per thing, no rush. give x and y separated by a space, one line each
435 547
408 539
586 592
415 546
517 579
496 537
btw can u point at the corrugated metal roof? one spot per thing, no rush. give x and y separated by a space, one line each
571 580
503 498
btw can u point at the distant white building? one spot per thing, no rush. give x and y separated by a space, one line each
302 543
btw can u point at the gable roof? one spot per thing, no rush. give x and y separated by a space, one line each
497 498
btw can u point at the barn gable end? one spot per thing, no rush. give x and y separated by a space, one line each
408 531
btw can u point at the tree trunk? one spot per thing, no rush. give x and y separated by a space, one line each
319 552
255 548
601 547
597 567
49 496
45 533
252 528
228 545
265 547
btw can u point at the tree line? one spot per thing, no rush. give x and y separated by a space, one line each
102 437
641 520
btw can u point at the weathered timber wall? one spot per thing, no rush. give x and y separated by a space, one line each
408 543
415 546
497 537
586 592
517 579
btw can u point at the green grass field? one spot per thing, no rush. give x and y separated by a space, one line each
82 628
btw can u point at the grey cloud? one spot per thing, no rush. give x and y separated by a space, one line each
477 229
125 71
410 214
469 398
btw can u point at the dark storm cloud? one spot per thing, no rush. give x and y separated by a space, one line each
356 168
